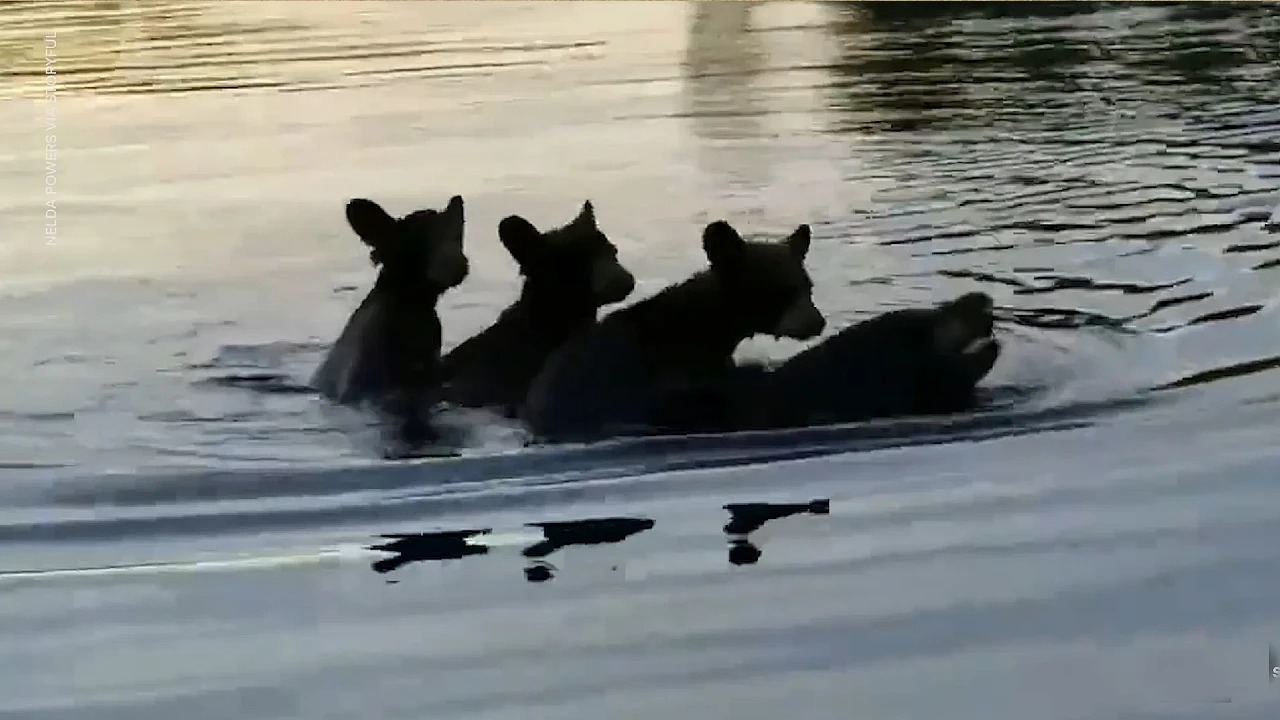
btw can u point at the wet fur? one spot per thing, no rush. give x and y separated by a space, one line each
610 379
559 298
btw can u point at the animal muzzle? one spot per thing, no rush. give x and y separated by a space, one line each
967 337
978 345
801 321
959 335
449 267
979 356
610 282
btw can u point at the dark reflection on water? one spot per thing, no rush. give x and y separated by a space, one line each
914 66
746 518
405 549
458 544
559 535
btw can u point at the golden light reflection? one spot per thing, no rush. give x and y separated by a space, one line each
193 132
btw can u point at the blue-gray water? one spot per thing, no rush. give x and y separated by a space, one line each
184 530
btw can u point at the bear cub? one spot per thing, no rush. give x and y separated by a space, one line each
612 378
569 273
914 361
388 354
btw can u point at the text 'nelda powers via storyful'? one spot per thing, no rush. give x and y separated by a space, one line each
50 139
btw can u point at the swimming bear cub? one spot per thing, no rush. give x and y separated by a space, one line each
569 273
915 361
610 379
389 351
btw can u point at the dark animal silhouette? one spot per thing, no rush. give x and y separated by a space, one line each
916 361
562 534
388 354
611 378
447 545
746 518
569 274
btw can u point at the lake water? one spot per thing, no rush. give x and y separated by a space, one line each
186 530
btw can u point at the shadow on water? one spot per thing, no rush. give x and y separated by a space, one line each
455 545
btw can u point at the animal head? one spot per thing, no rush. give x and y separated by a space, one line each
962 335
423 248
576 260
765 281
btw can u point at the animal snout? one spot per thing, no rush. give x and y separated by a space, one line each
978 344
965 326
974 333
801 321
449 269
980 356
610 282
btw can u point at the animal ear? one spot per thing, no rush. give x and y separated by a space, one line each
798 241
454 219
971 304
370 222
962 320
722 244
521 239
586 217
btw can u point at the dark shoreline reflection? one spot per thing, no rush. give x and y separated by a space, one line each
910 66
746 518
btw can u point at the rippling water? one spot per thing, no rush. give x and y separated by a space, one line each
187 530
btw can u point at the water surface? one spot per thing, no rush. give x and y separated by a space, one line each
186 529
